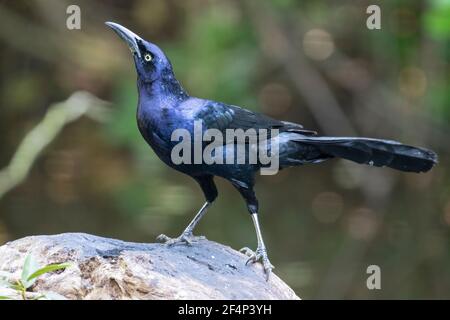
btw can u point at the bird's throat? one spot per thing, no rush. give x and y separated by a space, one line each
163 86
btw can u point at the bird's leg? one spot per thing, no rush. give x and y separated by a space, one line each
187 236
261 252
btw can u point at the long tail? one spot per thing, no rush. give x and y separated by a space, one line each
374 152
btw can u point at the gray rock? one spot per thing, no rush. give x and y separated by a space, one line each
103 268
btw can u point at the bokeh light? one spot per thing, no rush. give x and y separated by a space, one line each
412 82
318 44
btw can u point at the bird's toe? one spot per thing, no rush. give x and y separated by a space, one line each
268 267
260 255
252 259
186 239
247 251
162 238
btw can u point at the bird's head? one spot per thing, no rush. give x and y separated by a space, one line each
150 61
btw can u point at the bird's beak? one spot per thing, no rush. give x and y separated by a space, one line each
130 37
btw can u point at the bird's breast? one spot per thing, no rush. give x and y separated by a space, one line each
157 120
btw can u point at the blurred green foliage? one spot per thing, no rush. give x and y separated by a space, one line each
436 20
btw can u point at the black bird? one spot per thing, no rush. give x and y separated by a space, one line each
164 106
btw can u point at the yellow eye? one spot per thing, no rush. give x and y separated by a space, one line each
148 57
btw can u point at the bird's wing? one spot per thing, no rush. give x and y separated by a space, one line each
221 116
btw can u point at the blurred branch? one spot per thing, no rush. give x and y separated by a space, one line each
324 106
383 102
35 40
319 97
58 115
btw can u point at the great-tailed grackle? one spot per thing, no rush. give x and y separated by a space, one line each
164 106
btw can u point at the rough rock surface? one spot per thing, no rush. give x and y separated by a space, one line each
103 268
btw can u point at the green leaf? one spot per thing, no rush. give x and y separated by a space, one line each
5 298
17 287
46 269
29 267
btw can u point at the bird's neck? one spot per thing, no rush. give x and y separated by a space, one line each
164 86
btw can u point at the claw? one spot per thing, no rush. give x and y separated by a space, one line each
247 251
260 255
184 238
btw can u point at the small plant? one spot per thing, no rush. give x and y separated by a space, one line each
30 272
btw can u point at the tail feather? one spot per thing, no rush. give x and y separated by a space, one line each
375 152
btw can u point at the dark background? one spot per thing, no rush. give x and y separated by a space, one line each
312 62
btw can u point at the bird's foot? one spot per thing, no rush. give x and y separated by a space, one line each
259 255
184 238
